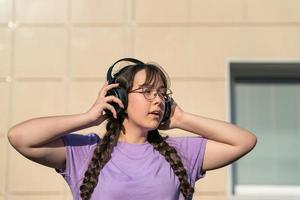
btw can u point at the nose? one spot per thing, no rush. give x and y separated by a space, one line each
158 98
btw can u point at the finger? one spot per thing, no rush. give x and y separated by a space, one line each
114 99
106 88
102 88
104 85
112 109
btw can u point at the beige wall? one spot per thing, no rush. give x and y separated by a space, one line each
54 55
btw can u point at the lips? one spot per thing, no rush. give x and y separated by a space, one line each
156 112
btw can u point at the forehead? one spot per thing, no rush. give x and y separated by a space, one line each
140 79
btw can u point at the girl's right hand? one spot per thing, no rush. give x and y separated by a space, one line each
96 113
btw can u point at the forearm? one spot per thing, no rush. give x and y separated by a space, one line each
39 131
216 130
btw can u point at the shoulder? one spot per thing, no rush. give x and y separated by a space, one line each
185 140
79 149
188 147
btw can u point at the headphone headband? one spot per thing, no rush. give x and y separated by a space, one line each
109 76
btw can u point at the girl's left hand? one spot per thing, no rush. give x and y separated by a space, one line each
175 116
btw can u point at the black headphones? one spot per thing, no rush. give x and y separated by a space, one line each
121 93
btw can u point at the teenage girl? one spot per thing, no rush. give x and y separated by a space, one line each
132 161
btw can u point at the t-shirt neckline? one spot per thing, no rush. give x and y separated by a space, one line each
133 144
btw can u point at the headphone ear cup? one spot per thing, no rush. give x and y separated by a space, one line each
167 112
121 94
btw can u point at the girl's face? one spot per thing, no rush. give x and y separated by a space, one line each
140 110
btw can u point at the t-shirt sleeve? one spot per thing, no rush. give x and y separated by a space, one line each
191 150
78 151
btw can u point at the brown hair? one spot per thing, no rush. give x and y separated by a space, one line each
104 148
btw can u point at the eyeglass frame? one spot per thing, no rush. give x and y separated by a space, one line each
167 97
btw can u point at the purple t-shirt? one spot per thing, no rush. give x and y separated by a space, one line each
135 171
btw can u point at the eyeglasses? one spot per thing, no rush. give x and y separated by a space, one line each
150 94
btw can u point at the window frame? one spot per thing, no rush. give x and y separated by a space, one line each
265 68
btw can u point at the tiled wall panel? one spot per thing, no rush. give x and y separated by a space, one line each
4 108
36 197
36 98
206 11
3 162
203 98
157 11
271 42
95 11
46 11
212 46
40 52
209 184
5 51
273 11
93 50
168 46
5 10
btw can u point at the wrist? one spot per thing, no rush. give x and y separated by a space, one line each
91 119
178 120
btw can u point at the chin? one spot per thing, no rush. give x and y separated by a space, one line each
152 126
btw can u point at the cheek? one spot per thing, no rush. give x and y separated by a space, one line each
137 105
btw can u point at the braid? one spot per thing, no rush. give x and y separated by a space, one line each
173 158
101 156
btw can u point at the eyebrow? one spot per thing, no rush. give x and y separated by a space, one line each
141 85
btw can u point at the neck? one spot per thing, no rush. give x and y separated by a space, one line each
132 134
